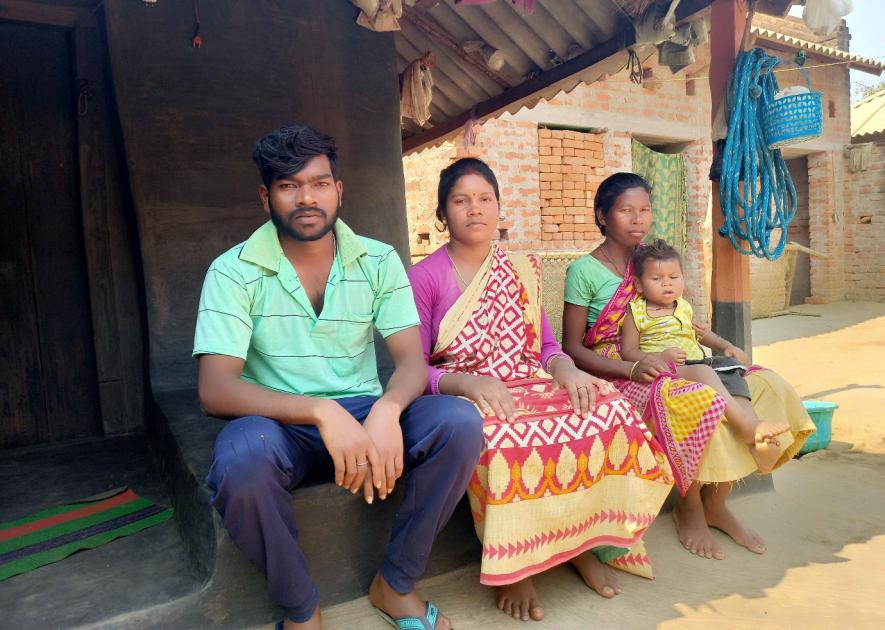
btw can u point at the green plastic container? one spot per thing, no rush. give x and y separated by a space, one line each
821 413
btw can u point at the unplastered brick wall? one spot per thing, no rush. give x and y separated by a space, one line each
510 148
864 263
422 176
571 166
697 258
767 285
826 210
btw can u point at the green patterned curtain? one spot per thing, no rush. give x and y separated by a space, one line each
666 173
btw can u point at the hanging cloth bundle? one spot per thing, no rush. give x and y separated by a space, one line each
756 192
416 92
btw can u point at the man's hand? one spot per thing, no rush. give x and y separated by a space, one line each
491 396
349 445
581 386
737 354
382 425
674 355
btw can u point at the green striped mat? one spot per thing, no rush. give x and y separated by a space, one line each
56 533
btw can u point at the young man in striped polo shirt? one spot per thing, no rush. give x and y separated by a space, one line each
284 338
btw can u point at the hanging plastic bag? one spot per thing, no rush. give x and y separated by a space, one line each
824 16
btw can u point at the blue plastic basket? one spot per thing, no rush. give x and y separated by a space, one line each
821 413
793 118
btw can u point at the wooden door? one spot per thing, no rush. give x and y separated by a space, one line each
48 383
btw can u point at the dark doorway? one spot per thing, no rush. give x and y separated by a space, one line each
48 379
798 231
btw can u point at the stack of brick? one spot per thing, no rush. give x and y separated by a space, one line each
571 165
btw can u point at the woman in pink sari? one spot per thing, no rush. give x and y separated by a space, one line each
569 472
706 457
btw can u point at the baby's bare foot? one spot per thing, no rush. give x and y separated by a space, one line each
767 432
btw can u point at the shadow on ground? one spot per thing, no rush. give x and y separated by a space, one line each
824 504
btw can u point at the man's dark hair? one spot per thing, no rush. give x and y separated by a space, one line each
659 250
455 171
610 189
286 150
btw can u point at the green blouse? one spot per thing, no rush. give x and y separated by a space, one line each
590 283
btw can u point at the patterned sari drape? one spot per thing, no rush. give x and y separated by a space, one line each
551 484
683 414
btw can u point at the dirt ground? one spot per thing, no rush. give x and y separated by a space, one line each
824 523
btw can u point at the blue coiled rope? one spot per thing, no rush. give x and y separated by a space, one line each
766 201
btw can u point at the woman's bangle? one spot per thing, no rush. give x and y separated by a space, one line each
632 368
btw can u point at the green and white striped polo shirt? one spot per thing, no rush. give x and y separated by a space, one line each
254 307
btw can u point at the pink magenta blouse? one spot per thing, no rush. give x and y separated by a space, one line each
436 290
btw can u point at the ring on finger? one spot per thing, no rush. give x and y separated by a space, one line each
364 463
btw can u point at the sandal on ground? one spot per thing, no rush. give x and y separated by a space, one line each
428 622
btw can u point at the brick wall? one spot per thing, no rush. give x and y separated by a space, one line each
767 286
510 147
864 221
698 250
422 176
571 166
826 208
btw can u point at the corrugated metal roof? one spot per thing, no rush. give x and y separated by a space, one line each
855 61
868 116
552 49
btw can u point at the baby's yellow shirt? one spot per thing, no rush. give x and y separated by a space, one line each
656 334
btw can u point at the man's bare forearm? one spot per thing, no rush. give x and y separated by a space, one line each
230 397
406 383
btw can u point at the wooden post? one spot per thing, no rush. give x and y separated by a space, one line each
731 270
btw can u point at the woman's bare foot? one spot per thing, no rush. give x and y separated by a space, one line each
398 605
520 601
598 576
694 534
314 623
719 516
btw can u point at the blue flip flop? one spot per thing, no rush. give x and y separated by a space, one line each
428 622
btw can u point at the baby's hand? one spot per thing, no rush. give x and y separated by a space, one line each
737 354
674 355
700 328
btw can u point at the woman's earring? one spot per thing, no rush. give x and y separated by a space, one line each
441 226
